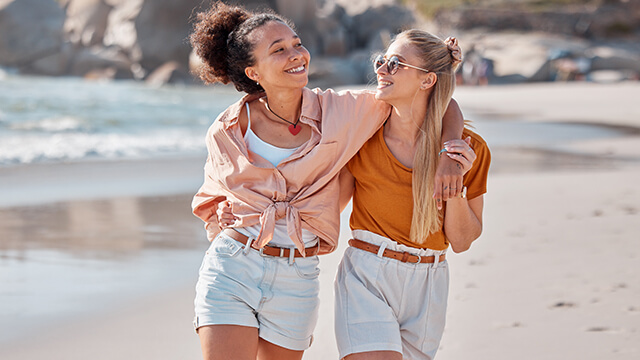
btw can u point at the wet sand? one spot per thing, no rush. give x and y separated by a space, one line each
99 260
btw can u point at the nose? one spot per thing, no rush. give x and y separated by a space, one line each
382 70
295 55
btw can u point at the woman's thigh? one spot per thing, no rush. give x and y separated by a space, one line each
221 342
270 351
375 355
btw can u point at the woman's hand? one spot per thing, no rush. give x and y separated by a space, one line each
225 214
461 151
448 181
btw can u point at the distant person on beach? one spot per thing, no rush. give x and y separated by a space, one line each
274 159
392 284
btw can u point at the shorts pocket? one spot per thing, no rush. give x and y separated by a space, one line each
224 246
307 268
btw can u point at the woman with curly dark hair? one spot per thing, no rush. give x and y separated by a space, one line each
274 158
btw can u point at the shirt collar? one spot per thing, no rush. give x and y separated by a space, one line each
310 107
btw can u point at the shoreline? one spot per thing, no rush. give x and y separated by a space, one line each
43 183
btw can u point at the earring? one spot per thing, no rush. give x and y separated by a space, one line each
257 82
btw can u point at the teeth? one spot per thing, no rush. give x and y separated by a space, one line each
300 68
384 83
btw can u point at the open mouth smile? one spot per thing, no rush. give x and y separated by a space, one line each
383 84
296 70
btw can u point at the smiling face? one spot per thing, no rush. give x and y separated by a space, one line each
402 85
281 60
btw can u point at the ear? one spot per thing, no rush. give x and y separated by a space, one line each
429 80
252 73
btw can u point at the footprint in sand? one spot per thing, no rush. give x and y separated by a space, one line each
563 304
603 329
629 210
598 329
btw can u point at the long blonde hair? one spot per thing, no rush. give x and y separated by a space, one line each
437 58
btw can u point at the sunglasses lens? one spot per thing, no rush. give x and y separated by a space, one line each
379 61
392 65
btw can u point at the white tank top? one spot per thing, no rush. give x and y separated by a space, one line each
274 155
271 153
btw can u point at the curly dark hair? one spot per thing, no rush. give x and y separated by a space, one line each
220 38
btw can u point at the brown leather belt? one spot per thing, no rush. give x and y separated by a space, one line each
398 255
271 250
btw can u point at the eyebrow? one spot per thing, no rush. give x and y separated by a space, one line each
281 40
400 57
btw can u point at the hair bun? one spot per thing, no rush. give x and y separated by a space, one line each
209 39
454 50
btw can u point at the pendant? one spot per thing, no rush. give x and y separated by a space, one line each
294 129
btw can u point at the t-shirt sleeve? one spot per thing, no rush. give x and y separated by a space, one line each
476 179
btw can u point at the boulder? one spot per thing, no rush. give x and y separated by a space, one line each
29 30
391 18
121 29
334 38
303 15
162 30
56 64
89 59
355 7
252 5
362 64
328 72
613 18
86 21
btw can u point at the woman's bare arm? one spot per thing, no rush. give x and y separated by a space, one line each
448 181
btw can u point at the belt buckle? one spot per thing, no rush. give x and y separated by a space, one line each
261 252
419 259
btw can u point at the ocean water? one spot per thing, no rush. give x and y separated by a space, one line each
69 119
49 120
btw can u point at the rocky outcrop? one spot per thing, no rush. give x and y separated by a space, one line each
148 39
611 19
138 38
162 29
86 21
29 30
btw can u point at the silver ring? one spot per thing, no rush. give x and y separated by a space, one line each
419 259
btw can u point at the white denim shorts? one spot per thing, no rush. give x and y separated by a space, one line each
279 296
383 304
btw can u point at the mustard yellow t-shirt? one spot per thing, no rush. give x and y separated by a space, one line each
382 198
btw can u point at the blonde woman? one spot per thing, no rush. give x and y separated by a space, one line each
392 284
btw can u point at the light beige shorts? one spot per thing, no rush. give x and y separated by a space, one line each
384 304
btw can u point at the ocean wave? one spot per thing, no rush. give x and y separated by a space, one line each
53 124
35 148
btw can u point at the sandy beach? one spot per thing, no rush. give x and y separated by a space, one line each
99 260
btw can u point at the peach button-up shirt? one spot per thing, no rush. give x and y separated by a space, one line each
304 187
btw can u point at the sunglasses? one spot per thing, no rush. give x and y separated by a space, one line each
393 64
